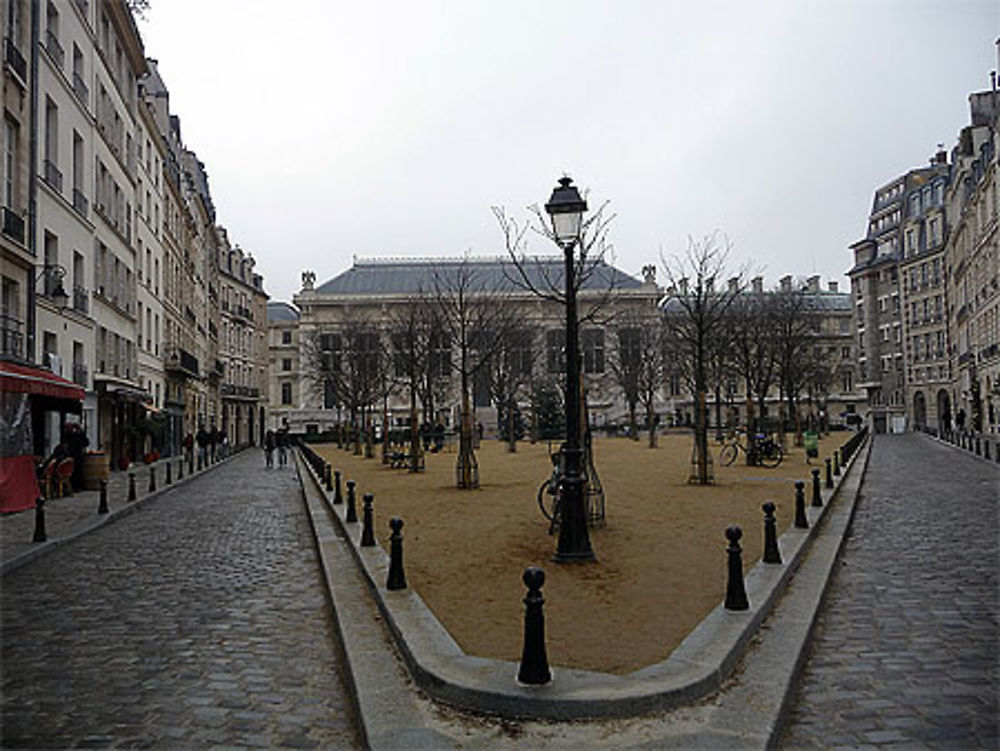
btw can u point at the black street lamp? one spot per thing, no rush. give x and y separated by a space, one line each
566 209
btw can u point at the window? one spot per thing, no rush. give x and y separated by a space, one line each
555 350
286 337
592 341
286 393
847 381
11 165
51 172
286 363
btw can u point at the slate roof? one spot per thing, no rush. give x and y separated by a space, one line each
278 312
411 276
821 301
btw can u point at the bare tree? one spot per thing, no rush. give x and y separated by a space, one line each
794 323
475 316
511 369
755 357
695 311
411 329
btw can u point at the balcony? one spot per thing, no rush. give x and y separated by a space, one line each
13 225
240 392
180 361
54 49
965 357
52 175
987 352
80 89
13 58
242 312
80 374
81 300
11 337
80 203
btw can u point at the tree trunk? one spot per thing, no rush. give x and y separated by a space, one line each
650 426
466 473
633 424
511 428
414 434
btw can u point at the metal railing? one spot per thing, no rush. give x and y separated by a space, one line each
52 175
81 299
80 202
11 338
54 49
13 224
12 56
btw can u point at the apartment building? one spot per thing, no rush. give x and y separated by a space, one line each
922 284
878 318
971 259
283 383
110 247
243 343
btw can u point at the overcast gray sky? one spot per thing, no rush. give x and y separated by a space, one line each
333 129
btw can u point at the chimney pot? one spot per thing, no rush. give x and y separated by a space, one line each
757 284
813 283
832 286
786 283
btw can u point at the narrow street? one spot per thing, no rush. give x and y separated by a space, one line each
199 620
906 648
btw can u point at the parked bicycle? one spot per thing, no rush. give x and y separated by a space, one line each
766 451
550 493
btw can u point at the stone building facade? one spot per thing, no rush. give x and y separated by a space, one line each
375 291
112 209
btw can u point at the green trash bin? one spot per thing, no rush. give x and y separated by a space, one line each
812 444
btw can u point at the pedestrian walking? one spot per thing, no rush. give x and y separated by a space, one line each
282 441
202 440
189 447
269 442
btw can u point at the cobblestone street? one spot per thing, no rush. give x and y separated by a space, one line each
905 652
200 620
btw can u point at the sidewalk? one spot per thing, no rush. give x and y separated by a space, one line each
69 517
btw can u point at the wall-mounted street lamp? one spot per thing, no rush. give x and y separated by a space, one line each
566 209
54 275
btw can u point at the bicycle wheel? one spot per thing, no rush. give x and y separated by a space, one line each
546 501
728 454
771 455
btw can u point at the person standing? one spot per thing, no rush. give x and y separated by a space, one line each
269 449
202 439
282 447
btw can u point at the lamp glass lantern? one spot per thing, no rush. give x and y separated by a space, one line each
566 209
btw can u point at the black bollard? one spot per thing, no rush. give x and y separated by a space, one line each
397 577
836 462
978 452
534 669
352 510
829 474
168 469
152 479
180 469
986 449
199 461
736 593
40 535
337 497
771 552
326 477
800 505
191 463
131 487
817 497
367 530
102 506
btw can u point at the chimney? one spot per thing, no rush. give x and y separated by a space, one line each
758 285
710 285
832 286
812 283
786 283
734 284
683 284
941 157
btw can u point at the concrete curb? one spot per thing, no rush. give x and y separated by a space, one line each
699 666
99 520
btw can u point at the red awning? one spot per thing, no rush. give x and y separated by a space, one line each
25 379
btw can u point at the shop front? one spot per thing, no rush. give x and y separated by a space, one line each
34 404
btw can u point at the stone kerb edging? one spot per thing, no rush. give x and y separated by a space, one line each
697 667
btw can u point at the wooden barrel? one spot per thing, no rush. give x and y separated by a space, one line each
95 469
